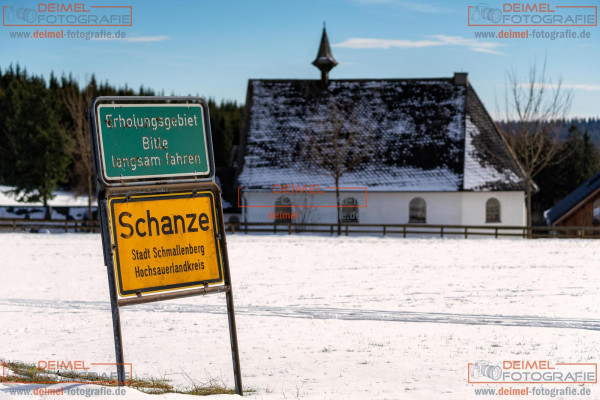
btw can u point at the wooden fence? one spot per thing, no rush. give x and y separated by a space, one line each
37 225
406 230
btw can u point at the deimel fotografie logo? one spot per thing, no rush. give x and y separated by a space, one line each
532 14
532 371
66 14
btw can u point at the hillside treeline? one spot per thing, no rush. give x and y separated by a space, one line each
44 141
576 160
589 125
44 138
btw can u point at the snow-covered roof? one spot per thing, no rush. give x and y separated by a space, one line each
421 135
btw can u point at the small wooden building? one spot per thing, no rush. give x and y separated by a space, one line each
581 207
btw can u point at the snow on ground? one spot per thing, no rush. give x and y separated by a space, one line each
318 317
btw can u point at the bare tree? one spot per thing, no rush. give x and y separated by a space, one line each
535 108
78 140
337 143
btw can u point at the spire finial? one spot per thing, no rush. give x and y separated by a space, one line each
324 61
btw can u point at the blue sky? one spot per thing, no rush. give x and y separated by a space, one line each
212 48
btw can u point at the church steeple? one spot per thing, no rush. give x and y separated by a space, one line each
324 61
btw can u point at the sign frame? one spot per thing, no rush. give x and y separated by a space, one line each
149 101
106 189
117 199
139 298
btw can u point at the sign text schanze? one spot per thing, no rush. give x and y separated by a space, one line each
165 241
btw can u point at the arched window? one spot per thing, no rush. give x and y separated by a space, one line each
283 210
418 211
492 210
349 210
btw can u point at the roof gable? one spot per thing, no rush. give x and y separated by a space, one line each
489 162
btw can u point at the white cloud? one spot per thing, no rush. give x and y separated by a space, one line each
423 7
591 88
411 5
363 43
431 41
136 39
574 86
146 39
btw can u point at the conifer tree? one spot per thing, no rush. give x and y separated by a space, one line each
38 163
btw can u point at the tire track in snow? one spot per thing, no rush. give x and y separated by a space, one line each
297 311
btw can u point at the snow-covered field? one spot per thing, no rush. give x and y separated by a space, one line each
318 317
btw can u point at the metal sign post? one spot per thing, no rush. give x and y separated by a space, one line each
161 213
114 306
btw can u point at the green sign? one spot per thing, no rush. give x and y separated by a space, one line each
140 141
